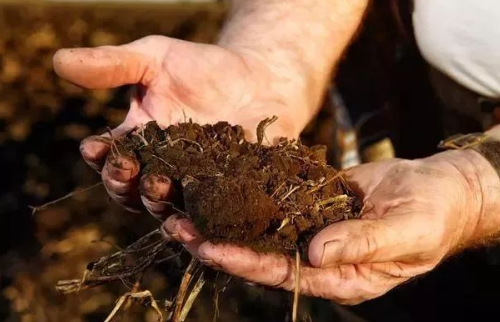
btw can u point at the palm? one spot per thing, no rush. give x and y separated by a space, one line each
404 231
176 81
204 83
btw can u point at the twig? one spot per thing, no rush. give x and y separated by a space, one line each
216 295
168 258
337 175
261 128
113 143
172 143
69 195
135 289
138 295
297 287
189 141
143 139
333 200
146 251
165 162
192 297
290 192
186 280
278 189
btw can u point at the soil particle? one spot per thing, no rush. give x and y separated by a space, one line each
269 198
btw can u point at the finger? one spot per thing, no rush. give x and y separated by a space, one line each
272 270
104 67
180 229
345 284
120 177
156 191
94 149
367 241
183 231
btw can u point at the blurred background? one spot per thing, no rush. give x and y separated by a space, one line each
43 119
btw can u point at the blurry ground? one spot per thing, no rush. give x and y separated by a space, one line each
43 119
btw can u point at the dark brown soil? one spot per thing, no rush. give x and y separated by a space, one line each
270 198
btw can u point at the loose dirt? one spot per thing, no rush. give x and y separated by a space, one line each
270 198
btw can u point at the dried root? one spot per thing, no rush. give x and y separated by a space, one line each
69 195
121 265
141 297
182 306
134 260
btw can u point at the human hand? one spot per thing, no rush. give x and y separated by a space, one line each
178 80
416 214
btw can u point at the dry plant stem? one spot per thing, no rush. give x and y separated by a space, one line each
192 297
216 295
146 251
142 138
163 161
135 289
113 147
189 141
139 295
296 292
261 128
69 195
340 175
186 280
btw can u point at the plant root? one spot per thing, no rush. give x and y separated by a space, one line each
121 265
69 195
141 297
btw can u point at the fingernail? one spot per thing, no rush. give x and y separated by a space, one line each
331 252
165 234
188 227
122 174
122 163
186 237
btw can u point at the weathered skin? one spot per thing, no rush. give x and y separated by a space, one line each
267 63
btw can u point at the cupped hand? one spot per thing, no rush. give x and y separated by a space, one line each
176 81
416 213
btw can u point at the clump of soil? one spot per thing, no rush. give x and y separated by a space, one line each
270 198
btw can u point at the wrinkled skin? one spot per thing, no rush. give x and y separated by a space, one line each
416 212
177 80
405 231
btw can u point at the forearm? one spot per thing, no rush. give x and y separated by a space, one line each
301 41
484 183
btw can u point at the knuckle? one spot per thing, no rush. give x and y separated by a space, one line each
284 278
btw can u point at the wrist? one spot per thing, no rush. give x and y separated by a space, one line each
299 56
482 186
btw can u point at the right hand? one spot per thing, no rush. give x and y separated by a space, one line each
177 80
416 213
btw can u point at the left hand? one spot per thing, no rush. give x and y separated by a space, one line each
416 214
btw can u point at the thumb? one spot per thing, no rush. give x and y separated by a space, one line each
108 66
359 241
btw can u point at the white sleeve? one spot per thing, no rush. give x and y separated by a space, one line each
461 38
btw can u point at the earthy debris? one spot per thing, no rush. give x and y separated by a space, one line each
270 198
